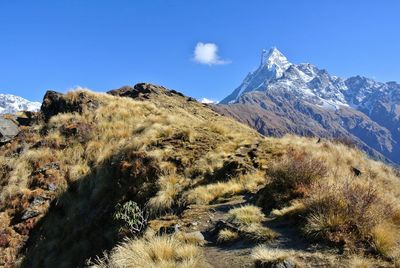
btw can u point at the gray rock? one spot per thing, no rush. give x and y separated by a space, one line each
8 130
29 214
51 187
197 234
37 201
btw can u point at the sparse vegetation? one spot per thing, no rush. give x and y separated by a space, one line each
338 205
158 251
62 182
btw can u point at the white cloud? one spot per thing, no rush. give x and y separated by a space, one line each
207 53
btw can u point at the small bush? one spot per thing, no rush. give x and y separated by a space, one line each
344 211
290 177
131 217
295 170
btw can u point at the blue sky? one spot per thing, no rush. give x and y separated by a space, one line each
103 45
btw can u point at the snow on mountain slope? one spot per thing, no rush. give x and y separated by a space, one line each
308 81
10 104
281 97
207 101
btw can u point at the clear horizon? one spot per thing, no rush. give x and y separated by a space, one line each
203 49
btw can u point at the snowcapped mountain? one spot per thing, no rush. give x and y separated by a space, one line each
207 101
281 97
10 104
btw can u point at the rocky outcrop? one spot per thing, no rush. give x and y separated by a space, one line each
8 130
143 91
55 103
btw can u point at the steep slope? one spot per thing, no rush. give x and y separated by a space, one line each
146 177
10 104
281 97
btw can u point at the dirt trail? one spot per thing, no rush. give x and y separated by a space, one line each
238 254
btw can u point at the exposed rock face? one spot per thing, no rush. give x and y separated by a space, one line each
8 130
142 91
281 97
55 103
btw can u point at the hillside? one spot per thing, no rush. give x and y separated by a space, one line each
280 97
146 177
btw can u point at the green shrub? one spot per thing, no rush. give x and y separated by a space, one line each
131 217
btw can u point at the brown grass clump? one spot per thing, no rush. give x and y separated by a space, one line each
386 240
267 257
226 236
246 215
170 187
249 221
296 207
257 233
360 262
205 194
158 251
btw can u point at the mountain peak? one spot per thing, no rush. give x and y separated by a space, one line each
275 61
273 57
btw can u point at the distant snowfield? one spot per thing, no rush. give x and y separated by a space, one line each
207 101
10 104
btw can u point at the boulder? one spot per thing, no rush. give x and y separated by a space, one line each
55 103
8 130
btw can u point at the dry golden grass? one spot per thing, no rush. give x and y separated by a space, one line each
246 215
337 204
168 129
158 251
262 255
170 187
257 233
295 207
360 262
205 194
386 239
226 236
249 219
191 238
188 145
